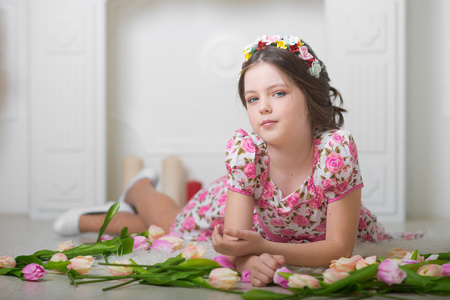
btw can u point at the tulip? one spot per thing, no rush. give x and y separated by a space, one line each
193 250
140 243
155 232
445 269
343 264
303 280
106 237
390 272
81 264
280 280
245 278
33 272
163 246
370 260
66 245
7 261
418 258
332 275
177 243
223 278
224 261
430 270
398 253
59 257
121 270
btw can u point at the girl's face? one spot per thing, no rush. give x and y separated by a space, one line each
276 107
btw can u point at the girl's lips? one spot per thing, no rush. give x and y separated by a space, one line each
267 123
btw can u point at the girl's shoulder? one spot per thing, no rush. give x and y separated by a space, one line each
329 137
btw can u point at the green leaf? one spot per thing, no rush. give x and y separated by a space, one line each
124 233
45 254
60 266
23 260
126 246
200 262
109 215
256 294
11 272
166 277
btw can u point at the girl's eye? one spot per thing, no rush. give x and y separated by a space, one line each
252 99
279 94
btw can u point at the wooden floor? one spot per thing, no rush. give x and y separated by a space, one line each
19 235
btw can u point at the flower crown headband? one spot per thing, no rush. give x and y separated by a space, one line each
291 43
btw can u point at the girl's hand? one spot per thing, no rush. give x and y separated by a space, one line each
238 242
264 268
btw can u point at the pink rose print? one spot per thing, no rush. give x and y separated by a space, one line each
287 232
301 220
204 235
338 138
334 162
305 237
250 170
341 188
204 209
353 150
263 177
317 142
292 200
328 184
222 199
263 204
216 222
227 165
241 132
215 191
322 227
222 212
316 156
230 144
311 185
362 224
277 222
188 207
284 213
188 223
319 238
268 191
248 145
202 196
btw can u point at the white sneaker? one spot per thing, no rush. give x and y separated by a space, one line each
67 224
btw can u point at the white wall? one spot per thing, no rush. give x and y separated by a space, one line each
428 108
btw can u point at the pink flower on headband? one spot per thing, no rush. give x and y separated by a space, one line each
270 39
304 54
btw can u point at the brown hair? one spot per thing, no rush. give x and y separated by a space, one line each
318 92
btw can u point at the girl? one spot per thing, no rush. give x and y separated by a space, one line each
293 186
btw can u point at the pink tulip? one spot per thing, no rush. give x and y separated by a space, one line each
398 253
303 280
140 243
177 243
7 261
162 245
193 250
343 264
33 272
224 261
223 278
81 264
332 275
155 232
280 280
370 260
390 272
59 257
430 270
245 278
121 270
66 245
106 237
445 269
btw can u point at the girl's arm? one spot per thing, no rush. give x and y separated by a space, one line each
342 225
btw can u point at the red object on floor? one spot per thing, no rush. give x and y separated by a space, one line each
192 188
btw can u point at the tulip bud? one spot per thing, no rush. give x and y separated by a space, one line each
445 269
121 270
59 257
303 280
430 270
66 245
193 250
33 272
332 275
370 260
140 243
223 278
390 272
7 261
280 280
155 232
343 264
81 264
177 243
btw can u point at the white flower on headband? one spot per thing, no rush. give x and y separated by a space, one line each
315 68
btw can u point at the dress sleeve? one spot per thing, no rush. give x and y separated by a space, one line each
240 163
339 168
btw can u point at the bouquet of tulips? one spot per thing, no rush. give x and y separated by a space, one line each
402 271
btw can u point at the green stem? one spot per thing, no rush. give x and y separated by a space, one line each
92 281
119 285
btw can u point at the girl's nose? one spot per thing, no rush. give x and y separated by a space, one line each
264 106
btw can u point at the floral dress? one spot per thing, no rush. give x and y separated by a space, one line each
296 218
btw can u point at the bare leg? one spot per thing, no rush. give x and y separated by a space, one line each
152 208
